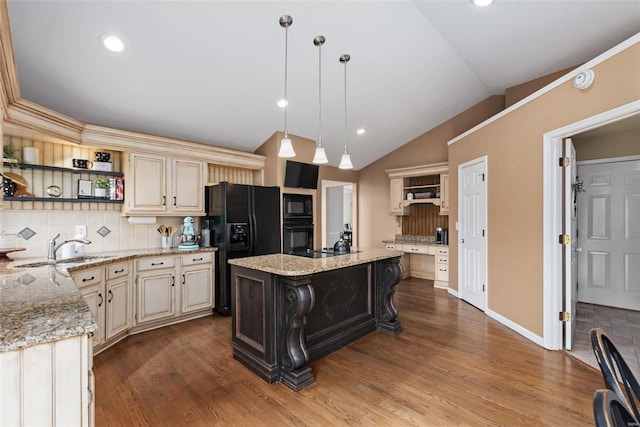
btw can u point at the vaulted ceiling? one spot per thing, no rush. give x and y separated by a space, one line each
212 71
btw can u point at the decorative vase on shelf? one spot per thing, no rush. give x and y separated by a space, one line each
409 195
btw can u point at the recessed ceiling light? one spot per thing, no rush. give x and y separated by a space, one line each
112 43
282 103
482 2
360 131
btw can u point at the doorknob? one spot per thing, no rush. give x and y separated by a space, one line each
578 249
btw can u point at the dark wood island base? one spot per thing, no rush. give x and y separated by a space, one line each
288 311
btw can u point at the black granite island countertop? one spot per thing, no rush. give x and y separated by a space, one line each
289 310
42 304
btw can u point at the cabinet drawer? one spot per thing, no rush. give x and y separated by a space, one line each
118 270
198 258
88 277
416 249
156 263
393 246
442 273
442 259
442 250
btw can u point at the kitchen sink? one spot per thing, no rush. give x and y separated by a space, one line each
72 262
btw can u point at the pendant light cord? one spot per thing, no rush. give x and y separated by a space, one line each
345 107
320 95
286 100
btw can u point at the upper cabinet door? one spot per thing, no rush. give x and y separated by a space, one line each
147 184
187 186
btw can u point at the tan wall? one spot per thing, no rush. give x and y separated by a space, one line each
605 146
513 145
305 149
373 199
516 93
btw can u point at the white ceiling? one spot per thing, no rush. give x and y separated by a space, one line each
212 71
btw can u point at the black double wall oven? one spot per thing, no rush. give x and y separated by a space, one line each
297 223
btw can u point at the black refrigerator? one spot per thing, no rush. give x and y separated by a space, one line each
244 220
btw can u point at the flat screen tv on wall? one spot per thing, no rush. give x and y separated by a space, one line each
301 175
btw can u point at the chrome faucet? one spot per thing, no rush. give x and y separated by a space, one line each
53 247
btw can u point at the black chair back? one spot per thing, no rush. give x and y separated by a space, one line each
616 371
609 411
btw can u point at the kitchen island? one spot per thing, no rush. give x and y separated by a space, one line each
290 310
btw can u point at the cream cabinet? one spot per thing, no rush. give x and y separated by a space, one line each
107 292
196 273
417 185
442 267
48 384
155 289
118 299
444 194
158 185
396 196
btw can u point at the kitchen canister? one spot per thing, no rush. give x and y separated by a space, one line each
31 155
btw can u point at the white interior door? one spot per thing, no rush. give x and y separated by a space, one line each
570 251
609 226
472 190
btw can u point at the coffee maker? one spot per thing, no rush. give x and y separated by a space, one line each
442 236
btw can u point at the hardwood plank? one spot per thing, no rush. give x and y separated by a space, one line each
452 365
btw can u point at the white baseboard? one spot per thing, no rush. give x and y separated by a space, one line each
453 292
514 326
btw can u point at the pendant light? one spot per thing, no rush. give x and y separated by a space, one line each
320 157
286 149
345 162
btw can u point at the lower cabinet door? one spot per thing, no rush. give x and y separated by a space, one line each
155 294
117 301
197 288
94 297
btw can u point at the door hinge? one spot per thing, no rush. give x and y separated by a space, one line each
564 162
565 316
564 239
483 287
482 232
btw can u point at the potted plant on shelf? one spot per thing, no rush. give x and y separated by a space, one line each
100 185
9 153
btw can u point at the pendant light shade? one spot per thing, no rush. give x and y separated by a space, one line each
345 162
286 148
320 157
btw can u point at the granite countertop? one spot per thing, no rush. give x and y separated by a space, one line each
42 304
291 265
411 239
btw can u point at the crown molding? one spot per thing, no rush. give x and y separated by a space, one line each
140 142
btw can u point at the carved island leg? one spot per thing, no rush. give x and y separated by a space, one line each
296 373
389 275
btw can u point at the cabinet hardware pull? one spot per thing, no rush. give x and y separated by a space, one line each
175 202
91 334
101 299
197 259
173 281
164 200
157 263
110 296
119 271
183 279
89 279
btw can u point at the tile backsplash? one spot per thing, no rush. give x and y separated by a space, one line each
46 224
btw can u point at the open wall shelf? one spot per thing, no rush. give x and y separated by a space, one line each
60 169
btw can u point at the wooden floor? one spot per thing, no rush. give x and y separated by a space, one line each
451 366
